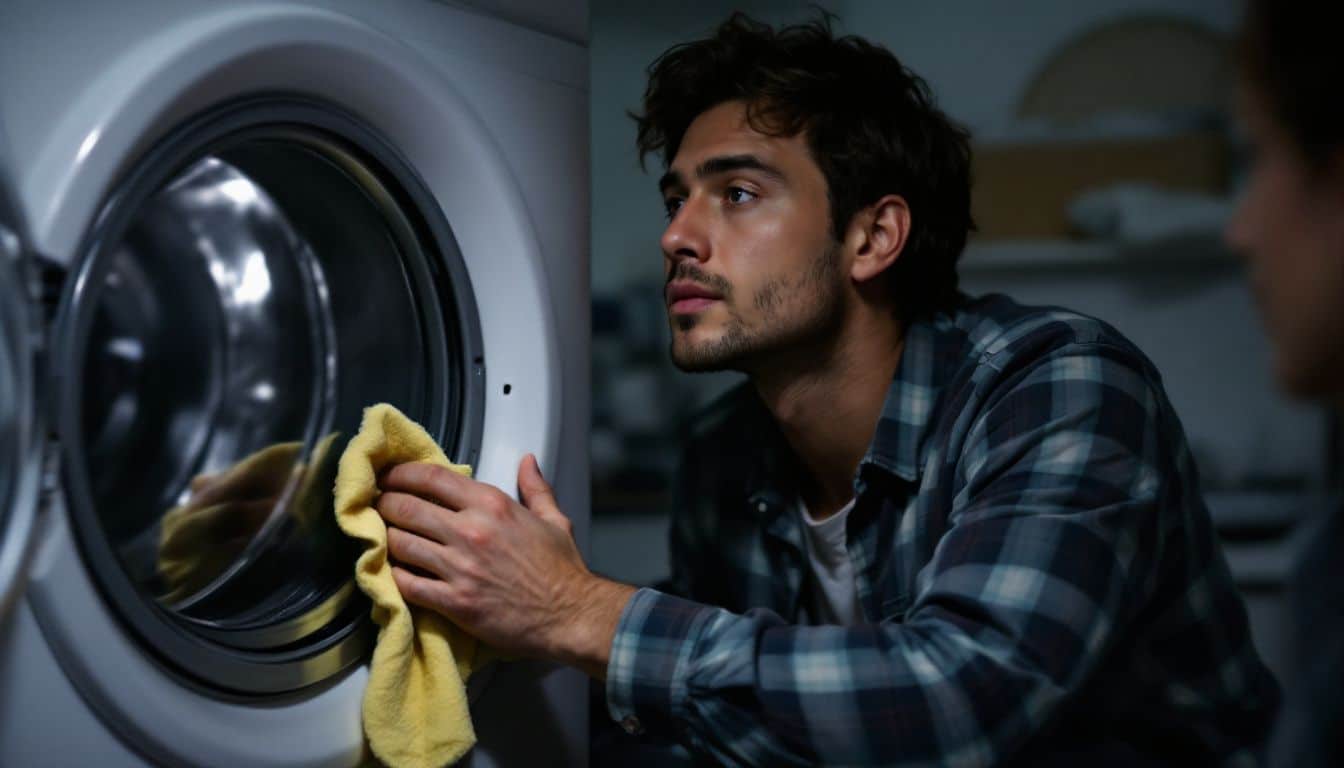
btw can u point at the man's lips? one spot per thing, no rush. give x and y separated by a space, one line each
684 297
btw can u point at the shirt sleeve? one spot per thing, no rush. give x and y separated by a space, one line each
1050 528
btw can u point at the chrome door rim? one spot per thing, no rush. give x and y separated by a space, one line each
20 409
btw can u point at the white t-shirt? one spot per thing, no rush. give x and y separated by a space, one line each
833 598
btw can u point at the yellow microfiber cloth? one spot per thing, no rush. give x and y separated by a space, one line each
415 706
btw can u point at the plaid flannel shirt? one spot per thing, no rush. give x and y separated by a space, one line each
1039 576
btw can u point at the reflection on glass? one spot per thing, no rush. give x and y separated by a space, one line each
256 303
201 539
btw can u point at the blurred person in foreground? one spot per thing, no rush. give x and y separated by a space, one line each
1290 226
930 529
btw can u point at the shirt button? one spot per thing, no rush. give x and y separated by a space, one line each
632 725
761 506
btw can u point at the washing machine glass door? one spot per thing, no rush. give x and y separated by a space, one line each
270 271
20 436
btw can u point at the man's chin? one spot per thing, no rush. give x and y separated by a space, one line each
694 365
705 357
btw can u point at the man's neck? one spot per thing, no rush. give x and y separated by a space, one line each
829 410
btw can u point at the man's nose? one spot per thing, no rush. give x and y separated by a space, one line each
685 236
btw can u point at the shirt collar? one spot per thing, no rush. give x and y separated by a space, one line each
934 349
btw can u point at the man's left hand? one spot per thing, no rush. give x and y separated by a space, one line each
508 573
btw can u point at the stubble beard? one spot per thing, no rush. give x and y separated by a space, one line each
743 348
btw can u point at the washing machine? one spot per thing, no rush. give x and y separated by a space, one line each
225 229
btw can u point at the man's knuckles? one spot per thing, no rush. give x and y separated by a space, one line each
560 521
462 601
474 535
496 503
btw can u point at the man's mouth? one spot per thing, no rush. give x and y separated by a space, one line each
688 298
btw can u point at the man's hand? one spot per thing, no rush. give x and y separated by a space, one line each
508 573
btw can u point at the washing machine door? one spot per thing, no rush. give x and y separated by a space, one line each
266 272
20 435
269 217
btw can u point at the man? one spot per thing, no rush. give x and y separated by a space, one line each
931 530
1290 225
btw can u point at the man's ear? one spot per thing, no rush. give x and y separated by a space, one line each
877 235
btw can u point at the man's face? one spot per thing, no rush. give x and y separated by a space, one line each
754 275
1290 225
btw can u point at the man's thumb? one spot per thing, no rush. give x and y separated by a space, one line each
537 494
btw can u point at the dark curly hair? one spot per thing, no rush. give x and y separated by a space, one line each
871 125
1290 54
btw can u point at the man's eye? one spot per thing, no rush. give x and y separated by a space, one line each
671 205
738 195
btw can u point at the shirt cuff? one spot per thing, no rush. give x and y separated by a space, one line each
646 672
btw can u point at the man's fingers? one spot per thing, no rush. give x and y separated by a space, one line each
414 514
428 481
408 549
537 495
418 590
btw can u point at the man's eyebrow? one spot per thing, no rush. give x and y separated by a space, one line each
729 163
717 165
